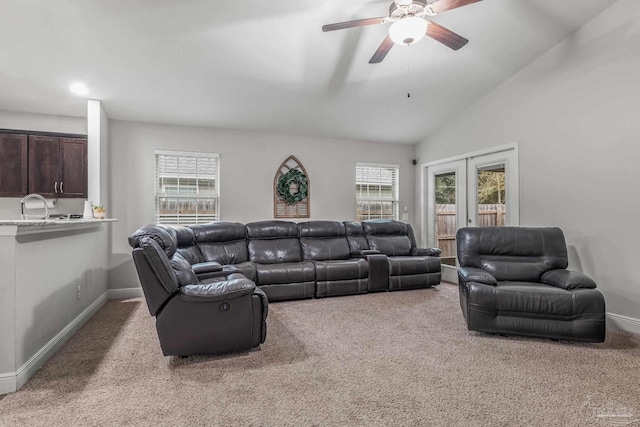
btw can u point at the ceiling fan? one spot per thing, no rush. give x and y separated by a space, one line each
410 22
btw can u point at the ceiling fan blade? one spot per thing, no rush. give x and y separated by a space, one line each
351 24
446 37
442 5
382 51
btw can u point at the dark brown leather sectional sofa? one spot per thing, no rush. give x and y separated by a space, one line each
290 260
223 262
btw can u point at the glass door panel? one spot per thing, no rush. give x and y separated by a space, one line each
446 206
446 224
493 190
491 196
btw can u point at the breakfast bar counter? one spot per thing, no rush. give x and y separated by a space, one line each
54 278
14 227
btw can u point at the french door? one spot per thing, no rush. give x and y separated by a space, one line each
477 190
447 206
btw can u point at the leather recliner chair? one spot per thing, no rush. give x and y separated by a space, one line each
514 281
220 314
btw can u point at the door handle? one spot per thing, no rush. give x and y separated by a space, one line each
61 188
55 187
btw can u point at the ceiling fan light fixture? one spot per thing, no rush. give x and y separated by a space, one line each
408 30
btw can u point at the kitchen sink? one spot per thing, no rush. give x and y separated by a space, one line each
65 216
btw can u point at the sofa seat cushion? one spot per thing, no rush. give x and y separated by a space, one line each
341 269
405 266
295 272
531 299
219 289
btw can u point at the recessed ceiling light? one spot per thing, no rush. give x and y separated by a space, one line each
79 89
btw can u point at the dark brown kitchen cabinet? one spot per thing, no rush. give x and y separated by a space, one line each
13 165
73 167
44 165
58 166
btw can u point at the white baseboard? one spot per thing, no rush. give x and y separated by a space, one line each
619 321
125 293
12 381
7 382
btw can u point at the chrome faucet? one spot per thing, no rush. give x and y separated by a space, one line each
34 196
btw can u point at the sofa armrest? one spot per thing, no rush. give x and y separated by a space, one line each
224 272
206 267
425 252
567 279
235 286
364 253
264 300
478 275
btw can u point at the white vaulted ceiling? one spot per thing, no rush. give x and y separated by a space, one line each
266 65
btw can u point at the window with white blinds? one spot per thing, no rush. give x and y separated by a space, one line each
377 191
187 187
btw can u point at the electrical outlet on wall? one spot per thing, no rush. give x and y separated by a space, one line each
405 214
79 291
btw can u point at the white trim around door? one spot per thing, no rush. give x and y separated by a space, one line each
465 167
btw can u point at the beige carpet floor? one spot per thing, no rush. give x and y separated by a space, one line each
399 358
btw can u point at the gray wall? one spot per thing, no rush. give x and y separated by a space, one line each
248 164
574 112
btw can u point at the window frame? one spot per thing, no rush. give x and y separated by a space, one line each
215 197
395 190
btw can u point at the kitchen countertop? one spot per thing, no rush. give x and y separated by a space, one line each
28 222
30 226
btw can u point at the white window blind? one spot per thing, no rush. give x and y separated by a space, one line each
187 187
377 191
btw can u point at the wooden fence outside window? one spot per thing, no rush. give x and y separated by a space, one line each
492 215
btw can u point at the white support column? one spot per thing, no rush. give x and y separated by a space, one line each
97 156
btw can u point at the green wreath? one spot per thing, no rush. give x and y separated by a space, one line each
294 175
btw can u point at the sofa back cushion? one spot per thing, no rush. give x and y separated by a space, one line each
184 236
512 253
183 270
187 248
323 240
355 236
223 242
389 237
273 242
